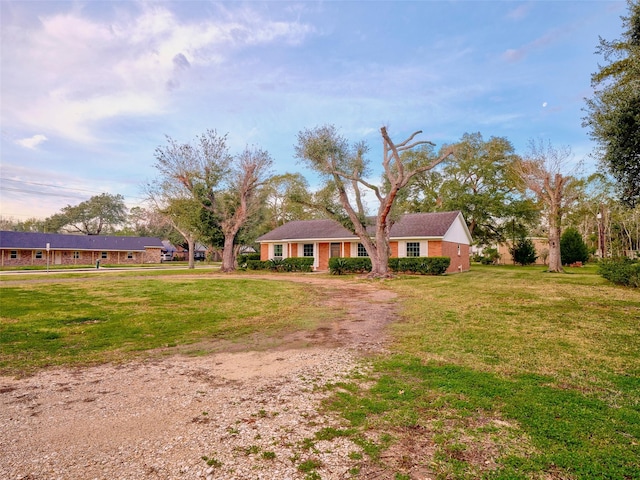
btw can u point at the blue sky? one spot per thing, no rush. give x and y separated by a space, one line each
90 89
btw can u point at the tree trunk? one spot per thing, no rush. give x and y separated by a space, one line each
191 245
555 260
228 254
380 257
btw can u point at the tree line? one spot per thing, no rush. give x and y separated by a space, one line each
205 193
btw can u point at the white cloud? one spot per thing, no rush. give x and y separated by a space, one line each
74 71
32 142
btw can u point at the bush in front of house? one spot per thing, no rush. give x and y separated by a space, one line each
342 265
621 271
257 265
244 258
420 265
298 264
292 264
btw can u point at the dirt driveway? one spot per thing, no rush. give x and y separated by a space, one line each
233 415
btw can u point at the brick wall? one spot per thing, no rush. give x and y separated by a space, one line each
459 262
26 258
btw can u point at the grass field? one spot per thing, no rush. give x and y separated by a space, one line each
101 319
500 373
508 373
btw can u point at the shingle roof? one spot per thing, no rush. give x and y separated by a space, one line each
423 224
57 241
409 225
307 229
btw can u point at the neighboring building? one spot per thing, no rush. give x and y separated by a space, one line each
27 248
442 234
541 245
168 251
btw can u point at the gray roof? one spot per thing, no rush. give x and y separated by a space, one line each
57 241
409 225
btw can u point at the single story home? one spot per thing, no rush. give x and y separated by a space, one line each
28 248
441 234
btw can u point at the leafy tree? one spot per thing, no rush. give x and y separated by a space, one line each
572 247
145 222
523 251
284 202
345 169
478 180
542 173
613 114
101 213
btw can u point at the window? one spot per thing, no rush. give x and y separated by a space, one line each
413 249
14 254
129 255
38 253
277 250
458 249
104 255
76 254
307 250
362 252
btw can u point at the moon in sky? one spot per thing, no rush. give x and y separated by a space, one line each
544 104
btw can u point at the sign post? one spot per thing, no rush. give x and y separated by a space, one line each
48 248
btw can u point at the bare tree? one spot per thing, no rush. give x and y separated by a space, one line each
242 200
226 186
345 169
541 172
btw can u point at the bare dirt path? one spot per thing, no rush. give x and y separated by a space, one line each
250 413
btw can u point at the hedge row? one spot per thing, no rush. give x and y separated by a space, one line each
342 265
621 272
291 264
420 265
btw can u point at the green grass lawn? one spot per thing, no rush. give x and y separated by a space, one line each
508 373
499 373
99 319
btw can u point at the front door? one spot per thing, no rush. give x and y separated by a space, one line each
335 250
58 258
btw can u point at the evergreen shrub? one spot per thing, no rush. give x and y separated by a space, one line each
342 265
621 271
523 251
572 247
420 265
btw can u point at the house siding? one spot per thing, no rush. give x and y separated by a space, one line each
459 262
27 258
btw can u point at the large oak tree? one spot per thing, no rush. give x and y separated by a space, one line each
345 169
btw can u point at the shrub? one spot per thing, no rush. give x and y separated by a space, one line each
420 265
298 264
341 265
523 252
257 265
621 271
292 264
572 247
245 258
490 256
